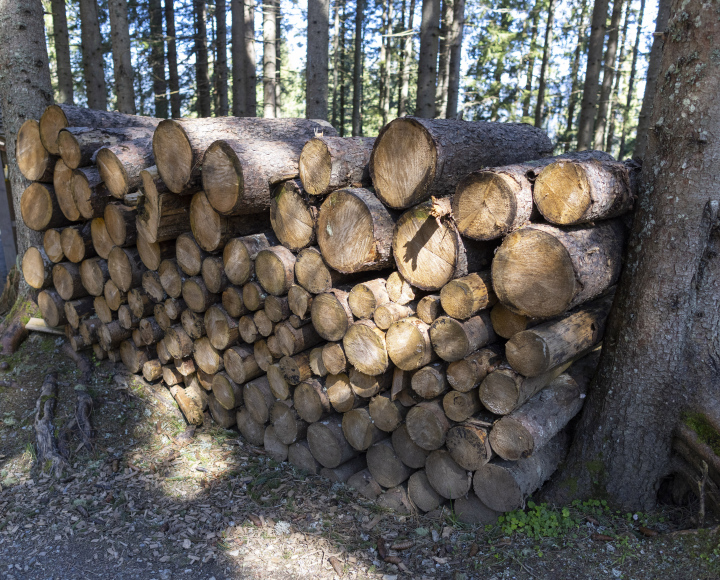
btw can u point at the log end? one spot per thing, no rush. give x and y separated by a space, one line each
222 177
173 154
33 268
69 149
112 172
484 206
315 167
562 192
32 157
36 206
52 121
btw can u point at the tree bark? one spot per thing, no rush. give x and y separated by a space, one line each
443 70
269 9
427 63
358 58
202 80
122 62
157 58
250 60
406 58
318 37
574 76
455 41
173 76
239 74
221 71
608 75
631 80
534 17
92 50
547 48
62 52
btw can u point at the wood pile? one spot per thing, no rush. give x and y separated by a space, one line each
417 315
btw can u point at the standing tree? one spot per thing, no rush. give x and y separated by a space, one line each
92 53
530 57
250 60
122 61
443 73
385 61
269 47
25 92
406 58
221 71
613 106
608 75
631 80
157 58
318 38
592 75
427 65
202 78
545 63
62 52
574 77
456 37
337 63
174 78
661 347
358 71
278 58
237 31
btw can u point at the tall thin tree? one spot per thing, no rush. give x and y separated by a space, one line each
157 58
343 56
202 78
250 60
336 61
62 52
574 76
269 25
237 39
456 37
608 74
427 65
588 107
221 78
443 74
406 58
122 60
631 81
617 81
385 61
318 38
358 70
530 57
278 59
173 76
92 55
547 48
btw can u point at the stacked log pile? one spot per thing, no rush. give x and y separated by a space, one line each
416 315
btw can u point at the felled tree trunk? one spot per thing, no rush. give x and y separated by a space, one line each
328 163
120 165
78 145
40 209
293 215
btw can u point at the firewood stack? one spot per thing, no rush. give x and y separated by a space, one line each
416 315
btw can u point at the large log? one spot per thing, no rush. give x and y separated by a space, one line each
67 281
430 381
258 399
386 413
34 160
536 351
126 268
52 307
422 494
275 269
342 397
301 457
76 242
78 146
101 240
464 297
541 271
446 477
469 443
491 203
52 245
40 209
409 452
120 224
328 444
504 485
120 165
311 400
331 314
239 255
429 251
207 357
534 424
365 297
415 158
289 427
328 163
293 215
212 230
180 145
453 340
408 344
161 214
37 268
355 231
62 182
574 191
427 424
466 374
385 466
360 430
90 194
313 273
365 348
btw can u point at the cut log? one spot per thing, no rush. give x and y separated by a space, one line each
150 330
301 457
178 343
275 269
174 308
415 158
470 510
227 392
311 400
189 254
163 354
240 364
342 397
359 429
114 296
408 344
196 295
294 340
365 297
469 444
430 381
62 182
354 231
220 414
94 274
101 240
293 215
161 215
366 486
399 290
367 386
385 466
126 268
161 317
328 444
239 255
313 273
112 334
77 310
429 251
171 278
152 371
134 357
289 427
77 243
387 314
253 296
153 254
250 429
504 485
258 399
299 301
67 281
207 357
126 318
120 224
461 406
454 340
33 159
536 351
386 413
574 191
171 376
331 314
89 329
278 383
542 271
296 369
422 494
78 145
429 308
120 165
232 302
464 297
264 325
221 328
99 352
507 323
152 285
40 209
193 323
527 429
328 163
264 356
195 391
213 274
445 476
90 194
247 329
468 373
317 366
52 307
52 245
334 358
140 303
193 412
427 424
37 268
400 389
409 452
274 448
105 314
343 473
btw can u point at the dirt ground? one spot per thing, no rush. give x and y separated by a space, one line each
151 502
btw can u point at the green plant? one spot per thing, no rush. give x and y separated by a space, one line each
538 521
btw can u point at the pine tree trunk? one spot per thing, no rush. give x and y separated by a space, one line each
250 60
174 78
92 50
545 65
62 52
358 70
157 58
269 9
318 37
406 58
202 80
588 107
608 75
574 77
631 80
337 62
535 12
441 91
239 74
455 41
122 61
427 63
617 79
221 67
278 59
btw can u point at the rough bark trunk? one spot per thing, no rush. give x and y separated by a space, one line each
157 58
318 37
221 70
358 58
239 107
455 41
202 79
427 63
406 59
250 60
173 76
62 52
547 48
92 53
608 75
122 62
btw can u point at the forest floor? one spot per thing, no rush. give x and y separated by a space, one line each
150 501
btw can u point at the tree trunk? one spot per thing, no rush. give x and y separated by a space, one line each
328 163
269 9
122 61
174 78
202 80
337 63
406 57
239 74
443 73
608 75
592 75
455 41
318 37
157 58
358 56
62 52
530 57
618 73
545 64
427 63
574 76
221 71
92 53
631 80
250 60
278 59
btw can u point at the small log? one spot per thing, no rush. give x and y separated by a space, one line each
62 182
137 337
90 194
240 364
386 413
311 400
161 215
409 452
400 389
301 457
385 466
152 285
33 159
101 238
364 347
207 357
213 274
120 165
342 397
408 344
258 399
274 448
220 414
427 424
264 356
76 242
140 303
94 274
120 224
250 429
37 268
263 324
461 406
289 427
365 297
89 329
221 328
387 314
295 340
399 290
470 510
178 343
126 318
232 302
299 301
331 314
334 358
195 391
328 163
454 340
126 268
328 444
150 330
227 392
152 370
464 297
189 254
366 486
67 281
247 329
153 254
429 381
253 296
99 352
296 369
536 351
52 307
277 308
429 308
541 271
52 245
317 366
135 356
293 215
278 383
355 231
172 278
367 386
171 376
174 308
196 295
239 255
163 354
507 323
445 476
359 429
40 209
77 310
314 274
343 473
422 494
112 334
105 314
504 485
114 297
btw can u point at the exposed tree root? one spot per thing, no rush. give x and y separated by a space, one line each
48 454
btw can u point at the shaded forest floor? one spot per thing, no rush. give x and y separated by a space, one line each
151 502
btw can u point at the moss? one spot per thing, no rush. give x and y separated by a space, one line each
595 467
704 430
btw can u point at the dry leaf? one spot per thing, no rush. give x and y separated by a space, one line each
336 564
647 532
474 549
